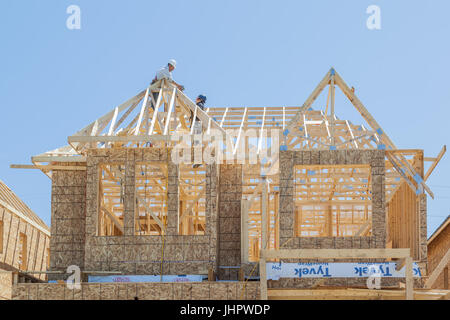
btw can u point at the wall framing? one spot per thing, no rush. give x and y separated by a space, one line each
374 158
142 254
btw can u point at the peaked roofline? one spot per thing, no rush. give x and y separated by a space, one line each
152 126
10 201
439 229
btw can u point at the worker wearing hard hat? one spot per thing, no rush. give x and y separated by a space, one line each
166 73
200 102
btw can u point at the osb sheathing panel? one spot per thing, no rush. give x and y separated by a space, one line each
423 246
230 195
37 244
6 281
68 220
305 283
374 158
134 254
141 291
436 251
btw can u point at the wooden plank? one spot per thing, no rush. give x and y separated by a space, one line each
24 217
169 111
312 97
332 122
114 219
399 170
260 141
361 108
141 114
350 131
409 279
126 114
364 229
224 117
193 120
155 119
264 198
112 126
435 163
158 221
134 138
211 276
74 158
200 113
374 124
438 270
263 278
402 160
244 117
335 253
352 294
47 167
400 264
110 114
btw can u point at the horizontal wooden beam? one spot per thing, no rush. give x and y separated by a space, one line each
50 158
46 167
133 138
352 294
335 253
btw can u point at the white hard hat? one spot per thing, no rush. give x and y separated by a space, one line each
173 63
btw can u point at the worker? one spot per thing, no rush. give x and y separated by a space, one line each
200 102
166 73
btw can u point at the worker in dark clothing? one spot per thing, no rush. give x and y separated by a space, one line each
200 102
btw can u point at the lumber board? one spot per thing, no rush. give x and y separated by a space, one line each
336 253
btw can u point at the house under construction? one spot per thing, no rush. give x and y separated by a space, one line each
144 190
24 243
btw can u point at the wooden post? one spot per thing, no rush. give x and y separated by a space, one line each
241 275
262 261
211 274
446 278
329 221
409 279
264 214
15 277
332 110
263 277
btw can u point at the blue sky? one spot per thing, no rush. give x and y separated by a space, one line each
55 81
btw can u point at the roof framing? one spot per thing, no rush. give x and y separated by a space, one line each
138 123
